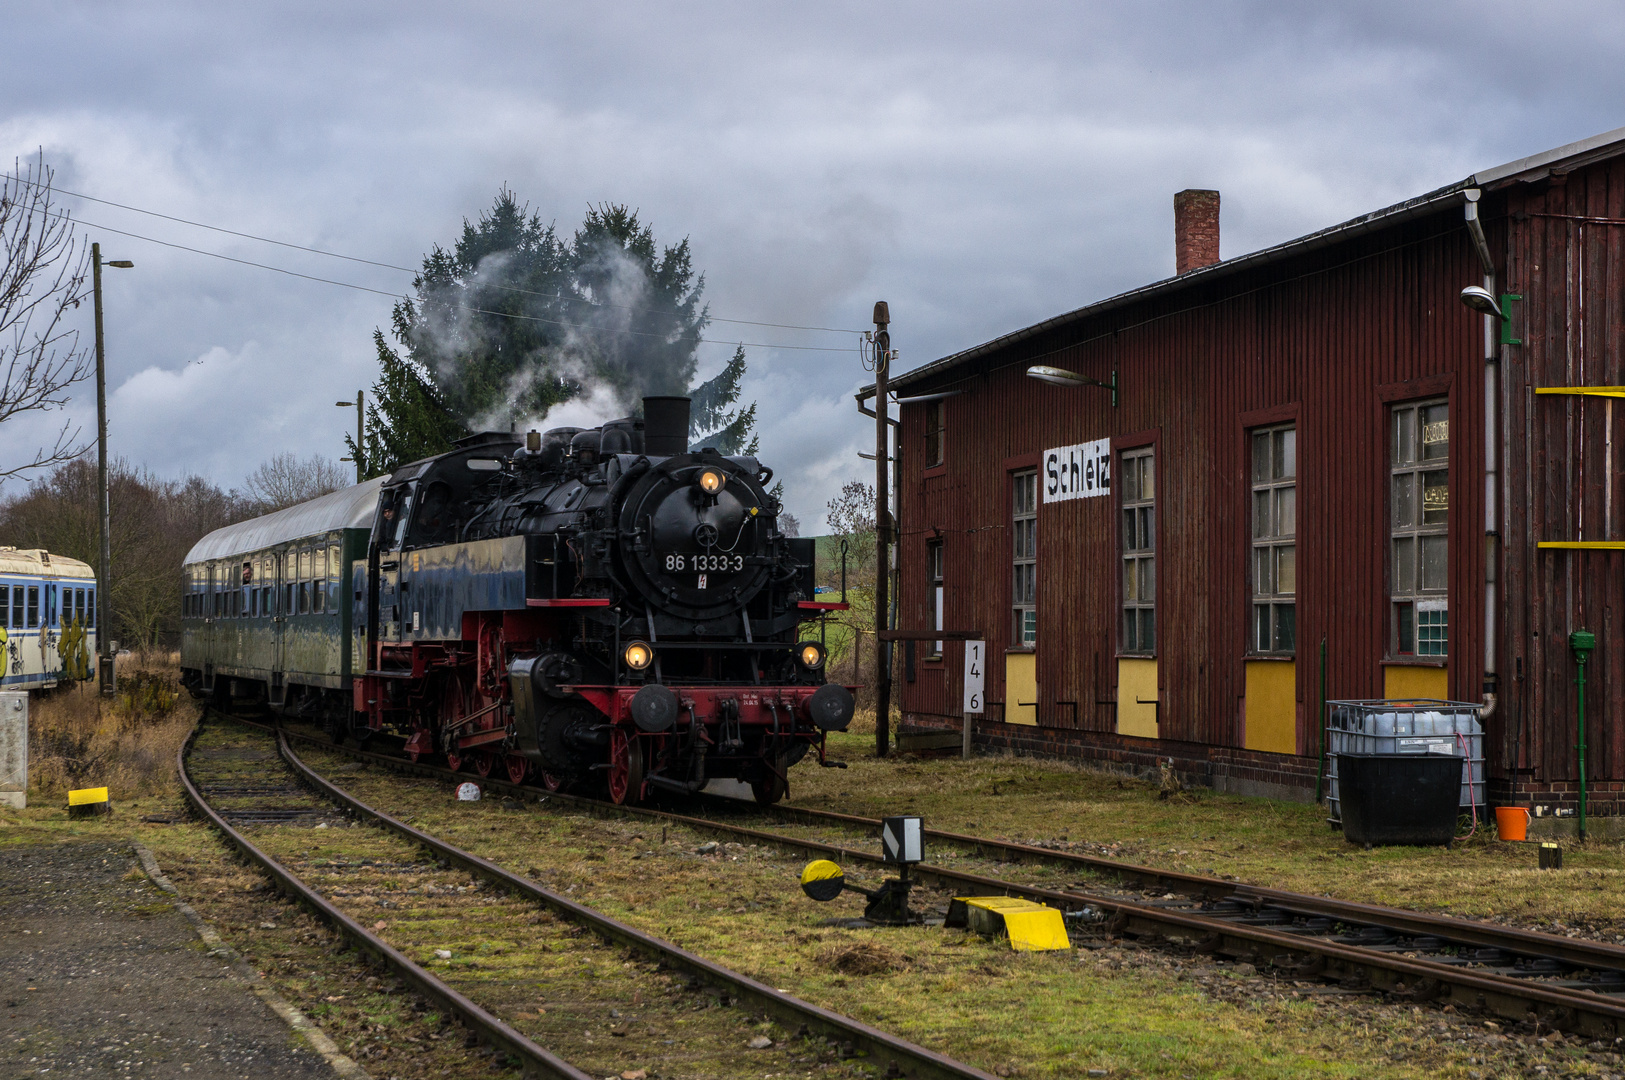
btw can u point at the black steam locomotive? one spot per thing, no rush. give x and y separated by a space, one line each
589 605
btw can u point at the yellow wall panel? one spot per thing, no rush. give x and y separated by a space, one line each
1272 706
1137 697
1021 688
1415 682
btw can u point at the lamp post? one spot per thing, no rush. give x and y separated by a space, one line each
359 414
104 643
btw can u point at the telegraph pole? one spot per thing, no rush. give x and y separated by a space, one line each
104 592
360 414
883 534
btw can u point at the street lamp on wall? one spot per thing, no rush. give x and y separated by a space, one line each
1482 301
1061 377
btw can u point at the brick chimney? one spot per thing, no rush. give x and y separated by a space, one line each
1196 229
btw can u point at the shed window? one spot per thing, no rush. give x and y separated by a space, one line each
1024 558
33 606
1139 537
933 562
1275 550
935 414
1419 513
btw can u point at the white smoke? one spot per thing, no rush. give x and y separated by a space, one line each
615 358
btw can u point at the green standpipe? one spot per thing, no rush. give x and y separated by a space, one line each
1582 642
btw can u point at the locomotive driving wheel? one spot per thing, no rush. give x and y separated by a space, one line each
518 768
483 762
625 768
769 789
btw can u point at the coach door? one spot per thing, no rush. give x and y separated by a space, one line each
281 571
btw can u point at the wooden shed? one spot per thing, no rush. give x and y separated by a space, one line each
1314 443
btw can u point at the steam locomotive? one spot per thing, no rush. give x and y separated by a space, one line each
595 607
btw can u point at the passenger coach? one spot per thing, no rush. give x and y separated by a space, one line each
269 604
47 619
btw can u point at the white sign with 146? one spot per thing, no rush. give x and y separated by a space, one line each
975 677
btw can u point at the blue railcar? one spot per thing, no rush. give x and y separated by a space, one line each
47 619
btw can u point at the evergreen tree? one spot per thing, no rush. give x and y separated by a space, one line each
638 318
712 423
513 320
407 418
489 317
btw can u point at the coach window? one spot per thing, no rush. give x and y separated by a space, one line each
933 562
5 606
90 608
335 574
302 573
1275 551
1024 558
1419 623
1139 538
936 413
33 606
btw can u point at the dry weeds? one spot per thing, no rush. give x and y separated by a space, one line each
77 738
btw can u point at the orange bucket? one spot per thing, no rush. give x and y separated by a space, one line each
1512 822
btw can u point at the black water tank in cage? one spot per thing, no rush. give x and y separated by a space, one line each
1400 798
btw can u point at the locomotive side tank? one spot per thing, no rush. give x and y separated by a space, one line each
596 607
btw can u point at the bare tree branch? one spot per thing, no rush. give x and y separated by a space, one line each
43 270
286 480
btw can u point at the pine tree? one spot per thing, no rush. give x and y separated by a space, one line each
712 423
407 418
512 320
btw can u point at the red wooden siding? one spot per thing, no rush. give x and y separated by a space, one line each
1330 337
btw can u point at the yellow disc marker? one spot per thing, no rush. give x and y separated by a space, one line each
822 880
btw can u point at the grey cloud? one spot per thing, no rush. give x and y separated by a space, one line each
978 166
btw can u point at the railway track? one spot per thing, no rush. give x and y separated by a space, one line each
396 893
1562 983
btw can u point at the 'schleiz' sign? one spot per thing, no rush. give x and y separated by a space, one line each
1076 472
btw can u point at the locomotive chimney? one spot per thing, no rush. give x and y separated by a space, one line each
665 426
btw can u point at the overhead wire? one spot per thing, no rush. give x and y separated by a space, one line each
374 262
475 310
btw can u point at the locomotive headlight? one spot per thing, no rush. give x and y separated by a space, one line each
712 481
638 655
810 655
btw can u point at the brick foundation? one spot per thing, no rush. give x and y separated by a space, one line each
1240 772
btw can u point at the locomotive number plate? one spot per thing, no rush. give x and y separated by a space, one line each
703 563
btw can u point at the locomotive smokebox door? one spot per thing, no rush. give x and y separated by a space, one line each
900 840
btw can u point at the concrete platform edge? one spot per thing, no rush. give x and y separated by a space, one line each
344 1066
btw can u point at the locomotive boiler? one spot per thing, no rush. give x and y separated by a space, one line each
597 607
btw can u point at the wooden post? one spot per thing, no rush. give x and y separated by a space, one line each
883 534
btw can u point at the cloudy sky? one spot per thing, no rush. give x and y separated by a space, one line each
980 167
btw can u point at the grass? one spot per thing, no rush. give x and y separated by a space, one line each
1028 1015
1131 1012
1267 842
79 739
